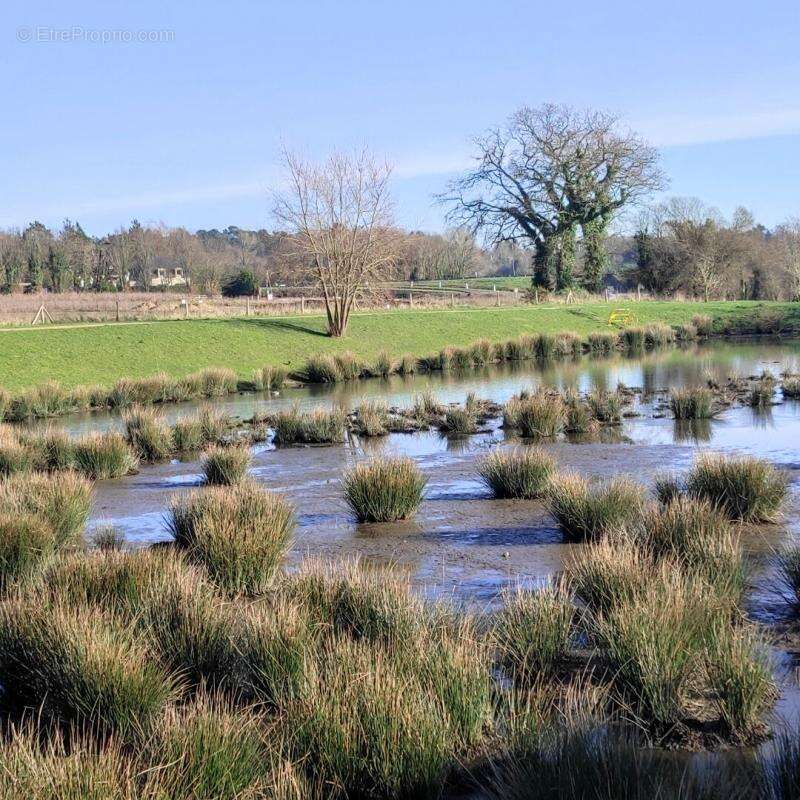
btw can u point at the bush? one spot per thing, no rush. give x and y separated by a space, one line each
316 427
518 473
147 433
384 489
588 512
746 488
533 632
104 455
243 284
80 666
239 534
224 466
63 501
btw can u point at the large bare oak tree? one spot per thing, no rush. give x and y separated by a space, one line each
548 172
339 214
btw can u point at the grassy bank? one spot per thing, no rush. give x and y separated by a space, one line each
101 354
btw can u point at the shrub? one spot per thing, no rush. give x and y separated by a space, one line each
703 324
533 632
587 512
604 342
372 419
224 466
538 415
322 369
104 455
317 427
239 534
384 489
523 473
740 673
746 488
605 406
349 366
243 284
692 403
25 545
62 501
79 665
147 433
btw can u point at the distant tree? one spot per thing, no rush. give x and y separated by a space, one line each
61 278
339 214
549 171
789 238
243 284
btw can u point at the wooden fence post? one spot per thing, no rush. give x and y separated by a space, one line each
117 305
411 299
452 299
302 304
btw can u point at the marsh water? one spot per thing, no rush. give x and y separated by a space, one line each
462 544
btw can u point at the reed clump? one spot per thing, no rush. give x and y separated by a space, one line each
537 415
239 534
147 433
585 511
692 403
104 455
745 488
517 473
316 427
384 489
225 466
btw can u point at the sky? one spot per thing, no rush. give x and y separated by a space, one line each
176 112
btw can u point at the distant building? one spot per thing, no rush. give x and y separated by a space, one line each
167 276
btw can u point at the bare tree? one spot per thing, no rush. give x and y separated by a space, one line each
547 172
339 213
787 239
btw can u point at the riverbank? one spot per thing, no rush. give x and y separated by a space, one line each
101 354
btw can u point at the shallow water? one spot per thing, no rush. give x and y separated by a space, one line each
462 544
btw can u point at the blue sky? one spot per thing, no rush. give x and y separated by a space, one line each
188 130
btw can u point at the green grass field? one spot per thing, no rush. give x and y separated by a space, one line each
101 353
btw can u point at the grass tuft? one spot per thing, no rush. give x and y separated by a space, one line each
384 489
517 473
225 466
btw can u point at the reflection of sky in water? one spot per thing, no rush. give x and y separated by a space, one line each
652 371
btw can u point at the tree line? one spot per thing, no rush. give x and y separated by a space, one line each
549 195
